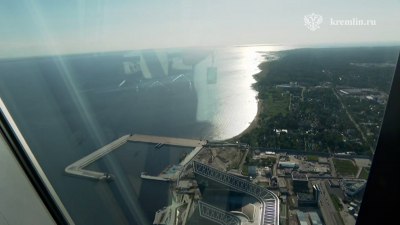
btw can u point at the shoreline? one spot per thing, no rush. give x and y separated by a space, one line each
253 124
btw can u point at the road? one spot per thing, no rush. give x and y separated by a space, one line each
359 171
348 219
242 161
333 169
328 210
352 120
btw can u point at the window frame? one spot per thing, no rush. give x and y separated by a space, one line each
27 161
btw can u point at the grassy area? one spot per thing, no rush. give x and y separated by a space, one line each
336 203
313 158
245 169
364 174
345 167
276 102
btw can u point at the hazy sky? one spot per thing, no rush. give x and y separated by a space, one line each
66 26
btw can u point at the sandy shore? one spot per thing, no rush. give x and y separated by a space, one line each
253 124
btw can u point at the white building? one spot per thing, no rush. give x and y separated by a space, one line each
314 218
288 165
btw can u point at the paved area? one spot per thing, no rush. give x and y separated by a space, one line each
347 218
335 191
242 161
363 162
359 171
333 169
190 156
328 210
293 217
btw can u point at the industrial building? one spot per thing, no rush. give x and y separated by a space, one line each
288 165
252 171
334 183
267 172
353 187
301 218
314 218
306 200
358 91
300 181
309 200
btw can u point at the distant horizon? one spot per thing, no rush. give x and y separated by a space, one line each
327 45
45 28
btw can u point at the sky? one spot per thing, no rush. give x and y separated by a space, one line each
34 27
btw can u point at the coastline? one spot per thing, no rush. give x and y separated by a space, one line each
260 108
253 124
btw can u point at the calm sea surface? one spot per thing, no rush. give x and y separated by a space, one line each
67 107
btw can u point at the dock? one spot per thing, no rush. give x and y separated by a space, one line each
148 177
191 155
167 140
77 168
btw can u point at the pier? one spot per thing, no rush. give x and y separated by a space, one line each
77 168
167 140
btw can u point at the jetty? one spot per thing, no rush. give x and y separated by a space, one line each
78 168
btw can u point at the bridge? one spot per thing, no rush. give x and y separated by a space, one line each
268 200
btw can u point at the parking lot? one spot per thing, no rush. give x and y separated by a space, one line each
363 162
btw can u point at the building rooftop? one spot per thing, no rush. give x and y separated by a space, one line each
334 182
305 197
299 176
288 164
302 219
252 170
315 220
184 184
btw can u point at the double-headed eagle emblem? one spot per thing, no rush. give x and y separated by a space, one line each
312 21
